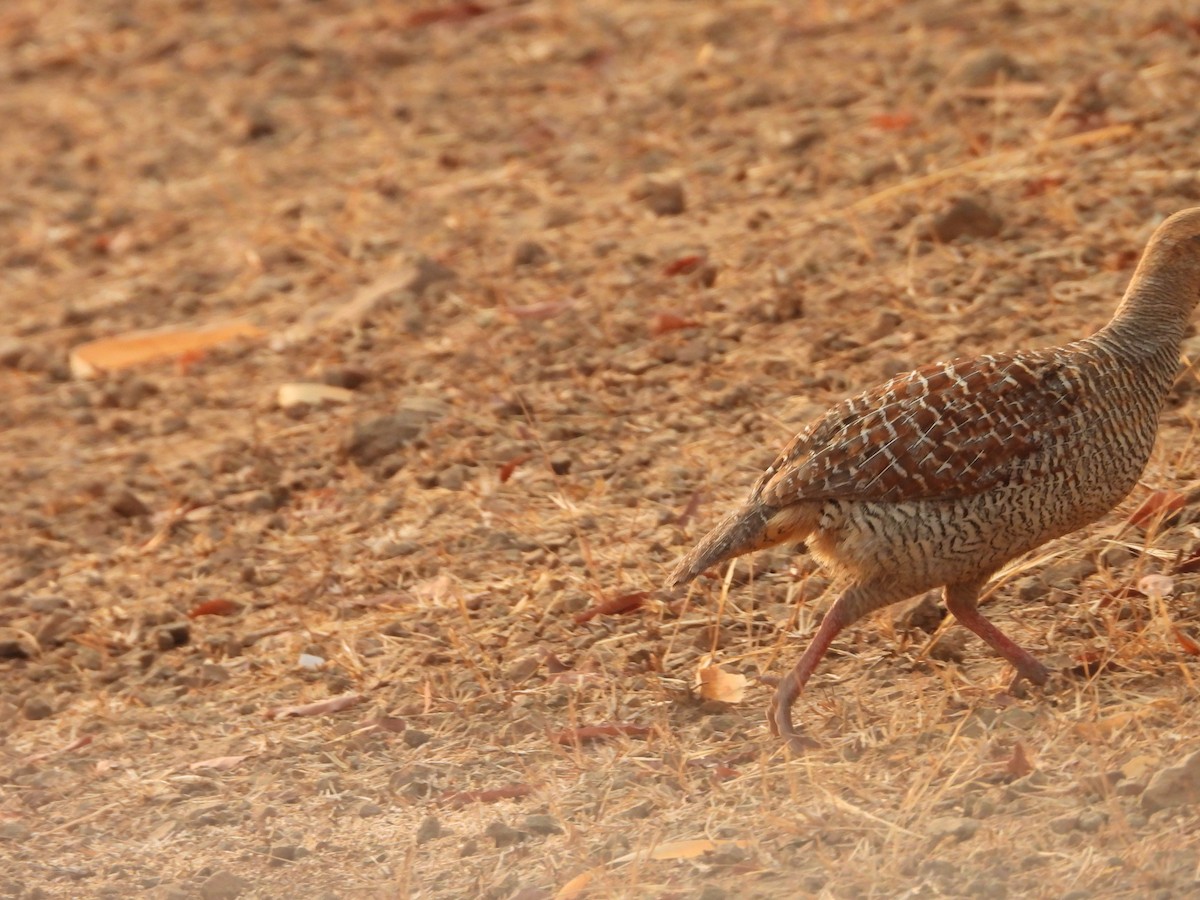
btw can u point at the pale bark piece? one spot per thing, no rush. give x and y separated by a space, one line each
136 348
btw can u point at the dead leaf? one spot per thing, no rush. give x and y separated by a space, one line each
547 310
218 763
893 121
491 795
1186 642
1156 586
217 607
296 393
596 732
1018 764
717 684
683 265
136 348
613 607
1159 503
665 322
319 708
690 849
451 12
506 470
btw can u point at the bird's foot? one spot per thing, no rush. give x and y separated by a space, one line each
779 717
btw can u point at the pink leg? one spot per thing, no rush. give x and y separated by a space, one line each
962 600
855 603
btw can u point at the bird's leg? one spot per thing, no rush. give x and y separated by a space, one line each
851 606
962 600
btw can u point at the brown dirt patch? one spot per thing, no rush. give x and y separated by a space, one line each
607 258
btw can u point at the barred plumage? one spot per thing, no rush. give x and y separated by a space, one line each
942 475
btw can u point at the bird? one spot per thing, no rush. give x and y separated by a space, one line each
940 476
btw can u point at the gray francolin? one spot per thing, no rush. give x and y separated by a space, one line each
941 476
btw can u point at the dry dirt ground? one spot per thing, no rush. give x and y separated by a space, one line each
582 268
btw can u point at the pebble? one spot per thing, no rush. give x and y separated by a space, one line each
504 835
415 738
985 67
965 218
1177 785
539 823
923 614
14 831
664 197
36 708
371 441
960 828
429 829
223 885
530 253
426 273
369 809
127 505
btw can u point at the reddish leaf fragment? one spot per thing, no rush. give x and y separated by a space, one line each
547 310
893 121
683 265
217 607
1092 664
613 607
320 708
1160 503
665 323
1189 565
588 733
79 742
1018 765
492 795
452 12
506 470
1186 642
1038 186
218 763
394 724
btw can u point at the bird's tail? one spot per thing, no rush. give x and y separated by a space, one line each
753 527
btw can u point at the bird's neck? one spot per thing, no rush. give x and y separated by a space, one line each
1154 313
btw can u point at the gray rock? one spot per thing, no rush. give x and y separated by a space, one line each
1177 785
539 823
958 827
223 885
663 197
965 218
429 829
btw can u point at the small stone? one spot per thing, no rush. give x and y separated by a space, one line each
369 809
427 272
126 504
663 197
429 829
453 477
37 708
560 464
539 823
504 835
713 892
175 634
1091 820
371 441
14 831
347 377
985 67
12 351
958 827
1177 785
1064 824
923 614
530 253
223 885
964 218
281 853
415 738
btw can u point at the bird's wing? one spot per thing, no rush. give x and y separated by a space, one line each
946 430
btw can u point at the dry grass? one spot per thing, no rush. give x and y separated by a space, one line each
182 165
